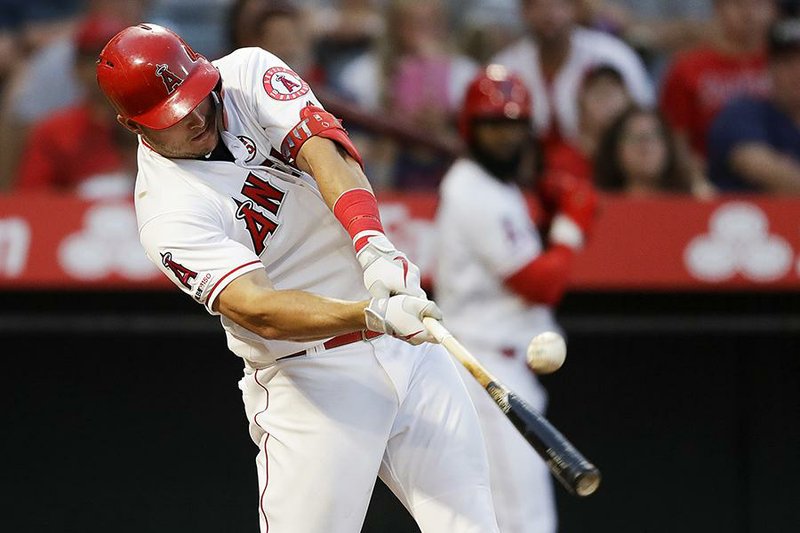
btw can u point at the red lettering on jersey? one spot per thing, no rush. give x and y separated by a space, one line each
170 79
258 225
263 193
184 275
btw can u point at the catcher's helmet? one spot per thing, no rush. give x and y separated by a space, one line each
494 94
151 76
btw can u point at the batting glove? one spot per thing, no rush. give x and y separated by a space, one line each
388 271
401 316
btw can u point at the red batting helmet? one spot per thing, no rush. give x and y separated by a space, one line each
494 94
151 76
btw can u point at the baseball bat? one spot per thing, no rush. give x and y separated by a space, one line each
566 463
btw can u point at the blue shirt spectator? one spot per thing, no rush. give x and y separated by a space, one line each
754 143
749 121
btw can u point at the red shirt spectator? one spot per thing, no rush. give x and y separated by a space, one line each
76 143
701 82
68 148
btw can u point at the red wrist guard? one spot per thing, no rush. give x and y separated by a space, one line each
357 211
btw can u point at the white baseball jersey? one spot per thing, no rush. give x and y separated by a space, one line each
556 103
204 223
486 234
329 421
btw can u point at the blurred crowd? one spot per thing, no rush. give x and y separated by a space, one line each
638 96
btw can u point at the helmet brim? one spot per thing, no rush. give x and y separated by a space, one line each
185 98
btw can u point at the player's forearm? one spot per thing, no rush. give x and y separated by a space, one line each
332 168
298 316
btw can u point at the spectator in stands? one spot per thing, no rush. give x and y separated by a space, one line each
553 58
603 97
414 68
488 26
655 28
701 81
242 29
754 143
30 94
51 67
78 149
278 27
637 155
415 75
343 30
9 48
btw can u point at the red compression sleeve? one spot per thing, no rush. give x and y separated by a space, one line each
357 211
544 279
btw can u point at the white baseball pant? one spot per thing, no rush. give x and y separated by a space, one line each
328 423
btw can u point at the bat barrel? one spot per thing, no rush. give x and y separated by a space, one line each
571 469
587 483
567 464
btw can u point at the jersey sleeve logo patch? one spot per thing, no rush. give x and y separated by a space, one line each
171 80
283 84
183 274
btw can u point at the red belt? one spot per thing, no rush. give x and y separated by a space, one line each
340 340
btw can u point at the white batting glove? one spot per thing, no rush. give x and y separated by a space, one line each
388 271
401 316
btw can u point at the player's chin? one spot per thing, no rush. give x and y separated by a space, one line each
204 143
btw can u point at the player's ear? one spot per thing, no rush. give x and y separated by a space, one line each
129 125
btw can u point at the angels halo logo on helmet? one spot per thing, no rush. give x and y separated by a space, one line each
151 76
170 79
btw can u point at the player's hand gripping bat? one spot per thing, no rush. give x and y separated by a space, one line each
567 464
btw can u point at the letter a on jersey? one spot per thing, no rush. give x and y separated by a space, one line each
258 225
170 79
184 275
263 194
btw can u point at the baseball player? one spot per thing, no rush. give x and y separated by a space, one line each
252 200
497 280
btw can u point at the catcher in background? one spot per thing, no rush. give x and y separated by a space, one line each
498 279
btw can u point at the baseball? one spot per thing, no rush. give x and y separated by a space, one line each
546 352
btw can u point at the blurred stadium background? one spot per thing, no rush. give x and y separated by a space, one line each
120 406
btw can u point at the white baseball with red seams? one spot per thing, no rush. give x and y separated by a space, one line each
327 421
546 352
